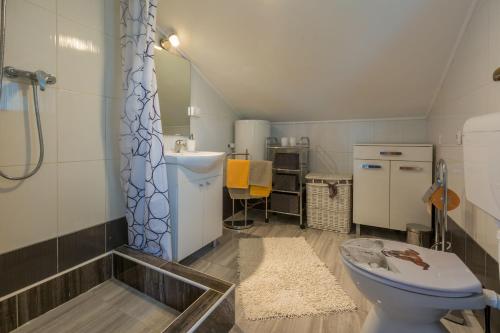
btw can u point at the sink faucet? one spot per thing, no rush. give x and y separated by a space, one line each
179 144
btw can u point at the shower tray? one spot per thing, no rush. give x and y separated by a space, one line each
110 307
135 292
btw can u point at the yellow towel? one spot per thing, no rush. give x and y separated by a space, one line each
260 191
237 173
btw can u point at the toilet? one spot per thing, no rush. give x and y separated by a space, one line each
411 287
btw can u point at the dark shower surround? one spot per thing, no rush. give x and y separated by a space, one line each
206 304
484 266
23 267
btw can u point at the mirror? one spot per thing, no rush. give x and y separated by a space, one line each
173 75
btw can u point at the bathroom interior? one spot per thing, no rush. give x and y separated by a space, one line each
249 166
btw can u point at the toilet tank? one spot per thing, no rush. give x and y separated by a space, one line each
481 145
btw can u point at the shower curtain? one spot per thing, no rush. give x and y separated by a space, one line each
143 169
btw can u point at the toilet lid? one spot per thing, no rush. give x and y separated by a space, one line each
411 267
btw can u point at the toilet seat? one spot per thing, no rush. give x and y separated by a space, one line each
404 266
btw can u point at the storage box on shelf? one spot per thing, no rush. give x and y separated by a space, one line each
290 166
286 182
329 202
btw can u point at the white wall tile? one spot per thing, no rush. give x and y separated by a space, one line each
112 15
387 132
18 130
469 91
332 141
31 37
29 208
81 126
414 131
115 206
361 132
50 5
82 58
81 195
78 42
113 113
86 12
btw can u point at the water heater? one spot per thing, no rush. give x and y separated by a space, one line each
251 135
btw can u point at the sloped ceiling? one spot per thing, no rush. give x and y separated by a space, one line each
293 60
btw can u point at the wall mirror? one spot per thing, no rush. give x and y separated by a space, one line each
173 74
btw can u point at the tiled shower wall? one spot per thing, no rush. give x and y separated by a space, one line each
77 187
331 141
468 90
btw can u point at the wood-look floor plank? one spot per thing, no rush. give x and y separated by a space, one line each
222 263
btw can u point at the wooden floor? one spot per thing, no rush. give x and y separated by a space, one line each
221 262
110 307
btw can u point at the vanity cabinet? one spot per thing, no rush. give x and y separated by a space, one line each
388 185
196 209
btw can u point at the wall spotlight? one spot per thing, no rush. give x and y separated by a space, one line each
171 41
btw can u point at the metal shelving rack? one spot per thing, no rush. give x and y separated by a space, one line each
302 149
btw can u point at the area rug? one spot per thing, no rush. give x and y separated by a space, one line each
284 278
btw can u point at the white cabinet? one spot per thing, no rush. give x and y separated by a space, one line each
409 181
371 180
389 181
196 209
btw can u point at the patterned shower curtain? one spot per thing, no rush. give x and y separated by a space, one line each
143 168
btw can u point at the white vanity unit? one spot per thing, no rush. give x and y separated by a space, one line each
195 190
389 182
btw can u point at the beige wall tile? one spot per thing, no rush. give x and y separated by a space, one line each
81 126
18 130
29 208
31 37
81 195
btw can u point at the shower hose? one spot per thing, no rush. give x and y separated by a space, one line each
3 11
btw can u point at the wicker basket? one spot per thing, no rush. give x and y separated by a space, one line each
324 212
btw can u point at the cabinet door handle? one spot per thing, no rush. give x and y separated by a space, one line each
208 183
391 153
410 168
371 166
200 185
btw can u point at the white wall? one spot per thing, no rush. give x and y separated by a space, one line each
214 128
468 91
77 186
332 141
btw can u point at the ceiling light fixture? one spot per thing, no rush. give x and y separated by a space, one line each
171 41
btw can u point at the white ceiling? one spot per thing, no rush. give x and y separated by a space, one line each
292 60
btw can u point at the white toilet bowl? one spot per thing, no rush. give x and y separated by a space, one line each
405 296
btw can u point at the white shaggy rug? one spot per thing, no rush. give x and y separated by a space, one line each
284 278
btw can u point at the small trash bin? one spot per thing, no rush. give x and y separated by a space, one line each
418 234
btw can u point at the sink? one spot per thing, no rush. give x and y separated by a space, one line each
198 161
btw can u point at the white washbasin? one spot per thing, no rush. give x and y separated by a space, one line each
198 161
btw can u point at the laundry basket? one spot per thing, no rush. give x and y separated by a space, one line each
329 202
